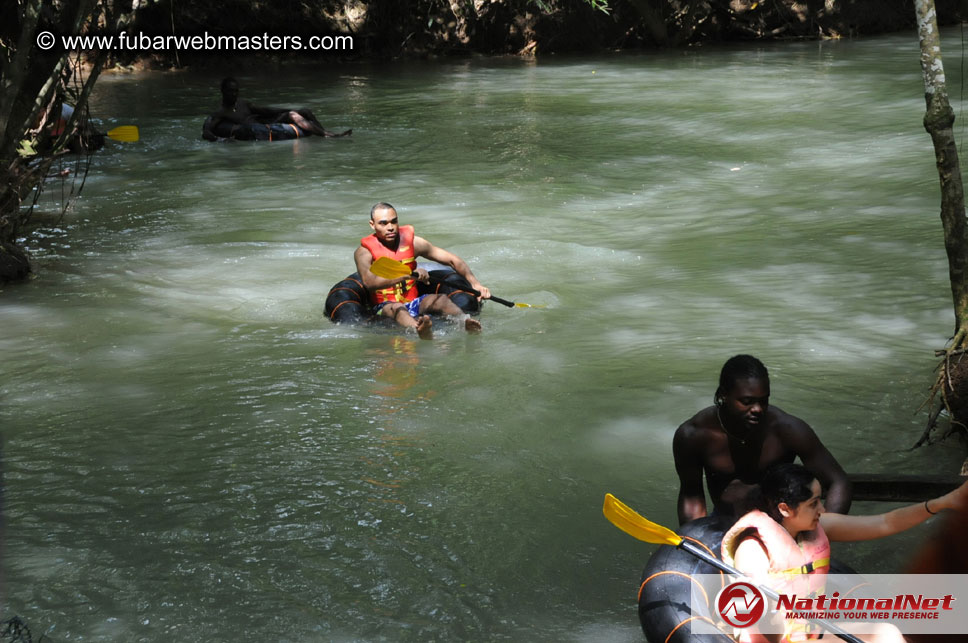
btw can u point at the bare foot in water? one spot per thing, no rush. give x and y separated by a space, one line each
471 325
425 327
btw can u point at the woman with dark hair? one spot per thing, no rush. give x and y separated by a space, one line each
787 539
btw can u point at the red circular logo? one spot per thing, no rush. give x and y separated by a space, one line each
741 604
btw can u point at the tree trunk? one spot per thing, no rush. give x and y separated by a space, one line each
938 121
952 382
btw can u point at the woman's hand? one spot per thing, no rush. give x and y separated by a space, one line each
957 500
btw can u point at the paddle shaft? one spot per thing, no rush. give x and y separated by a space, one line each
504 302
700 553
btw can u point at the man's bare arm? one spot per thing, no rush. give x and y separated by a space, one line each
821 463
692 499
423 248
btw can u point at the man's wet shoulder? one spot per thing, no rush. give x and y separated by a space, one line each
787 424
699 424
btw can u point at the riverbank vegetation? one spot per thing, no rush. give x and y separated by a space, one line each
386 29
35 82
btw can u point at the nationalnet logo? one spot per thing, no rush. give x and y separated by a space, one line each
900 606
914 603
741 604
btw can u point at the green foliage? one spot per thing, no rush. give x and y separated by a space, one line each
27 148
36 81
601 5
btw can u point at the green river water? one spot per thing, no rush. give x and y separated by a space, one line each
192 452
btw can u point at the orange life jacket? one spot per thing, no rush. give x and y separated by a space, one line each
790 561
406 290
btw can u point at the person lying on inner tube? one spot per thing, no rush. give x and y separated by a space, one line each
241 112
398 299
734 441
785 541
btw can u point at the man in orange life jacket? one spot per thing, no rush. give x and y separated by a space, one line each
397 299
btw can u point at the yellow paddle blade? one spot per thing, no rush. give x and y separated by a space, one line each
124 133
634 525
520 305
389 268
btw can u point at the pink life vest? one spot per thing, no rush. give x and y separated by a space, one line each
790 560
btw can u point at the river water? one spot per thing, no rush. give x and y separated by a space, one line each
192 452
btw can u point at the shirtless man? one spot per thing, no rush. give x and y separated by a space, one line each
236 110
737 439
398 299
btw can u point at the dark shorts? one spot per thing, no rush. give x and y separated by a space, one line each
413 307
276 131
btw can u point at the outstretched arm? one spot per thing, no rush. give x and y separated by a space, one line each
852 528
423 248
692 498
818 460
